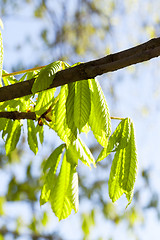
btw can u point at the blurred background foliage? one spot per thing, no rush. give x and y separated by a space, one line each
40 32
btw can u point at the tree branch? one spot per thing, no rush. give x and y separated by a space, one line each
18 115
30 115
110 63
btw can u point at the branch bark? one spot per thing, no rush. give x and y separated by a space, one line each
18 115
110 63
30 115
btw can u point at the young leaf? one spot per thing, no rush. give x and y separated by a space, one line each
3 122
13 137
70 108
79 150
8 79
60 202
51 161
72 154
7 128
86 128
65 194
115 190
119 139
99 120
32 138
82 104
39 130
124 168
130 165
46 76
1 57
65 65
44 101
50 178
73 189
61 126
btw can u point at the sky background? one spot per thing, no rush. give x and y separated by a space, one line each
136 95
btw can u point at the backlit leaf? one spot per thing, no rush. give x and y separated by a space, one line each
32 138
61 196
46 76
70 109
115 190
13 137
40 132
3 122
130 165
61 126
119 139
51 161
8 127
79 150
50 176
73 189
99 120
8 79
82 104
44 101
124 167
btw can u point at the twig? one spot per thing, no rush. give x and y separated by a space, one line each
30 115
22 71
18 115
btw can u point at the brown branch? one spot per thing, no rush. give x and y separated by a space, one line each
30 115
18 115
110 63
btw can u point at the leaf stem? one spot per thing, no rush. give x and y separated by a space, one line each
117 118
23 71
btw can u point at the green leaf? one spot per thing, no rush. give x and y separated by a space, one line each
32 138
40 131
73 189
44 101
70 108
65 65
33 74
82 104
72 154
114 185
3 122
51 161
64 197
124 167
8 127
99 120
1 57
13 137
50 178
8 79
86 128
61 126
130 166
119 139
79 150
46 76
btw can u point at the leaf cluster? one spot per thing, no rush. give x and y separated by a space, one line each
77 108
